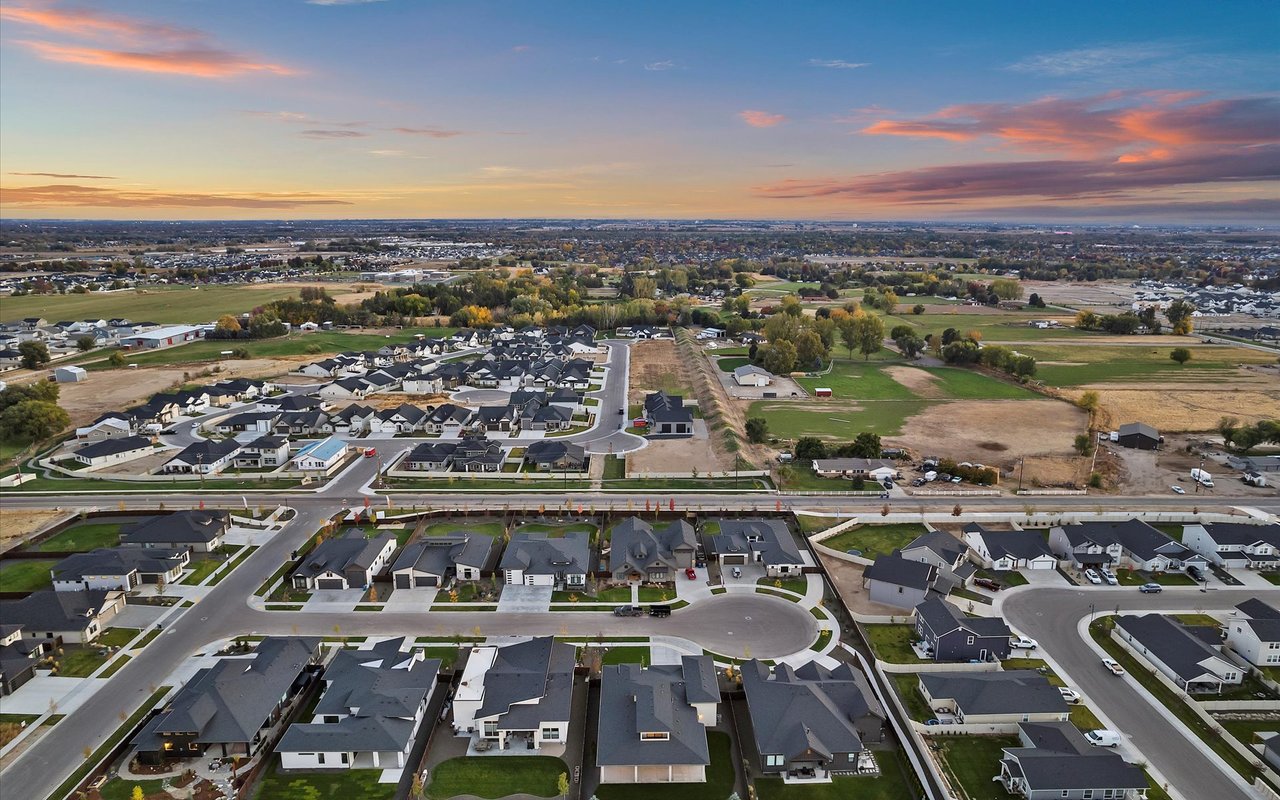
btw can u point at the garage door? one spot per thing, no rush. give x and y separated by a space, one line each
402 581
736 560
427 580
330 583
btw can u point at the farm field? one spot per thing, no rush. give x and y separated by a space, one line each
836 420
161 304
1070 365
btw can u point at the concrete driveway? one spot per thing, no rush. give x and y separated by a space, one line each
333 600
525 599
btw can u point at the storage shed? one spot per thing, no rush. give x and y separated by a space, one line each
69 374
1139 436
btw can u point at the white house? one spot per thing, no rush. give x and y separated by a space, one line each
321 456
1235 544
105 428
877 469
1008 550
114 451
517 697
751 375
1176 650
1253 631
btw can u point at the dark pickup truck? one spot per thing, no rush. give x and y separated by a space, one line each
628 611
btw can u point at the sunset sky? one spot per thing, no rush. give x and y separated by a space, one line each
1083 111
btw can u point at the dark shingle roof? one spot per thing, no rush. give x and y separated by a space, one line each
1020 691
791 713
635 700
899 571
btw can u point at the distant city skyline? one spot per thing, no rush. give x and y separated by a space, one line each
1141 111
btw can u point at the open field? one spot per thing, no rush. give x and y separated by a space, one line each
1184 407
995 431
1072 365
853 380
655 365
175 304
83 537
875 540
835 420
15 525
25 576
674 455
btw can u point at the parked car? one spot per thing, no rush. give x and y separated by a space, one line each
956 479
1151 588
690 573
628 611
1103 738
987 583
622 411
1092 576
1024 642
1113 666
1068 694
1195 573
1110 578
736 572
1178 489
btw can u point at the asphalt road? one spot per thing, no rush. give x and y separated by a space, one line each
1052 616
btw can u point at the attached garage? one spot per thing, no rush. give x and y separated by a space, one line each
331 583
427 580
734 560
402 581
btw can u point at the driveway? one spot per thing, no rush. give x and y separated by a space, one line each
138 616
333 600
525 599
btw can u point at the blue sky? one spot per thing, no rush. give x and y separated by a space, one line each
404 108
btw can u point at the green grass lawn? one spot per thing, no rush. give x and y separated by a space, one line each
1115 364
891 784
235 562
809 524
875 540
556 531
797 585
972 761
719 782
1245 729
850 380
334 785
79 661
908 686
118 637
25 576
892 643
615 468
730 364
201 569
449 526
838 419
966 384
120 789
447 655
82 537
491 778
1007 578
178 304
626 655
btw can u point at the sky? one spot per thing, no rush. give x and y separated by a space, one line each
282 109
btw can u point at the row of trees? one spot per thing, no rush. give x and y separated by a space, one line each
864 445
1179 314
30 412
1246 437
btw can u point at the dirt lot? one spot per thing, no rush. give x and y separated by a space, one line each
847 578
675 455
15 525
1144 472
994 431
1189 407
922 384
655 365
109 390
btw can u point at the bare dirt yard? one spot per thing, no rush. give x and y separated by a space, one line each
1172 407
655 365
18 524
675 455
847 578
994 431
922 384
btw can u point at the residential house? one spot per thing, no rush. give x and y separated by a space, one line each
320 456
20 657
370 711
404 418
1004 550
667 415
114 451
1253 633
353 388
536 559
263 452
869 469
811 723
1235 545
346 562
247 422
766 542
1188 655
994 698
232 708
638 551
107 426
895 581
435 560
449 420
550 455
354 418
76 617
951 636
196 531
518 697
944 551
301 423
1055 762
120 568
430 457
653 721
477 455
1129 544
204 457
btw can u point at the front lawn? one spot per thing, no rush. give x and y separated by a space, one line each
1007 579
201 569
338 785
892 643
494 529
626 655
119 789
80 661
719 782
797 585
875 540
972 761
25 576
82 537
494 777
891 784
118 637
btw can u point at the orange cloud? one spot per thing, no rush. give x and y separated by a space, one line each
431 133
72 195
135 45
66 175
761 119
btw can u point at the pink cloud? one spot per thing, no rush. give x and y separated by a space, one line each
761 119
72 196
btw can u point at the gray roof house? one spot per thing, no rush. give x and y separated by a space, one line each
518 696
369 714
1235 544
1131 543
203 457
231 707
346 562
122 568
667 415
552 455
114 451
952 636
74 616
1054 762
1188 655
894 581
433 560
653 721
944 551
811 722
1004 550
1253 632
1020 695
198 531
767 542
536 559
640 552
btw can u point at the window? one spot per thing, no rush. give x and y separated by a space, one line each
1066 792
1088 794
491 728
550 734
773 761
970 640
319 758
346 758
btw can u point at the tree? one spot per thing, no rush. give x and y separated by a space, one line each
964 351
888 301
909 344
1035 301
757 429
116 359
34 354
1089 402
810 351
780 358
866 445
1087 320
32 420
562 783
1006 288
228 324
1227 426
869 333
1179 315
85 343
137 793
848 335
1180 354
1084 444
809 448
416 790
949 335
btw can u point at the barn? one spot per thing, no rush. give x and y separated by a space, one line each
1139 436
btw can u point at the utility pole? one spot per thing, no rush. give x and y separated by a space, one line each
1022 464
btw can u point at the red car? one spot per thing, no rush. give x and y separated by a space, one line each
371 452
690 574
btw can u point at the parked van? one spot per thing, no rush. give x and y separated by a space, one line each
1103 738
1202 477
931 476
